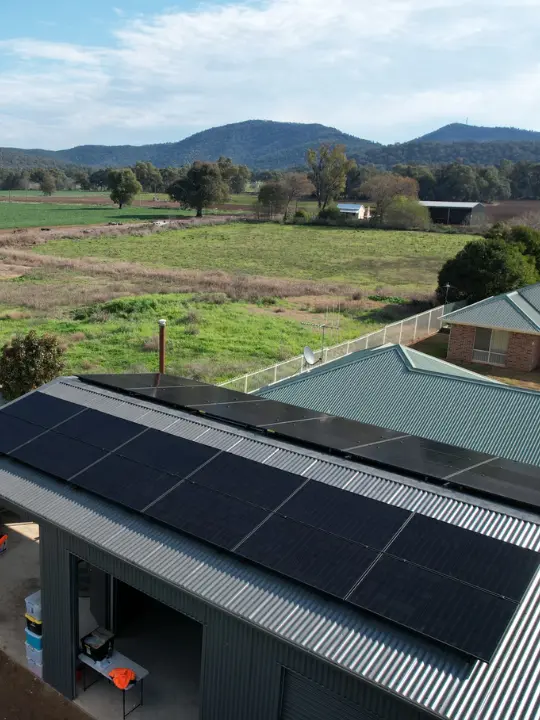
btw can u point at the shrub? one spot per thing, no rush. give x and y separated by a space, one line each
405 213
301 216
29 361
330 213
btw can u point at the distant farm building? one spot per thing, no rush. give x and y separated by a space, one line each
360 212
456 213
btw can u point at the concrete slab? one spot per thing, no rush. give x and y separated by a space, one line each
19 577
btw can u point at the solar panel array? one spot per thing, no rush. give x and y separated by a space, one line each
451 585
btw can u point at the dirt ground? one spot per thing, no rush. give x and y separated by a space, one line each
24 697
499 212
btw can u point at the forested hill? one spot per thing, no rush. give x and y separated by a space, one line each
461 133
256 143
268 145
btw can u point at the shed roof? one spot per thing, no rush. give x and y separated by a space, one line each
451 205
402 389
518 310
428 676
349 207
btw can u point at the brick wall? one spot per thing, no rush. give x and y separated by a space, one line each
523 352
461 343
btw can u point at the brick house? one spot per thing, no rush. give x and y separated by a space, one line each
503 330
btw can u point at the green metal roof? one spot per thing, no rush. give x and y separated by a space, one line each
404 390
517 310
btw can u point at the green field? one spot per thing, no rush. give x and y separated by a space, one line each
34 214
406 261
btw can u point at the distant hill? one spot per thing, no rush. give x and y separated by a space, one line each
459 132
257 143
268 145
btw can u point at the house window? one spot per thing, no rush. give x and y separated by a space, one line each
490 346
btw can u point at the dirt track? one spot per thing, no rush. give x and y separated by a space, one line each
103 200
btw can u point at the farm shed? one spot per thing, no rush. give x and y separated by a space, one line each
456 213
360 212
272 633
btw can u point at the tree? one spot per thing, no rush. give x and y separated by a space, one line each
149 176
15 180
124 186
99 179
383 189
240 179
458 183
492 185
408 214
295 186
272 198
170 175
328 169
82 179
484 268
47 184
201 187
29 361
526 238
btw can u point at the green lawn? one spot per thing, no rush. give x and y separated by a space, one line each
405 261
21 215
213 339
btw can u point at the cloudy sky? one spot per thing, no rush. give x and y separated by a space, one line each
139 71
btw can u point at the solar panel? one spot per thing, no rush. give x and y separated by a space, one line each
15 432
123 481
167 453
504 479
325 562
422 457
463 617
334 433
346 514
200 395
57 455
42 409
139 380
248 480
208 515
100 429
465 555
260 413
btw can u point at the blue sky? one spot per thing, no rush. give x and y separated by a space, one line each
138 71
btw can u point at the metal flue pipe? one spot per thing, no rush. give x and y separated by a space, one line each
162 326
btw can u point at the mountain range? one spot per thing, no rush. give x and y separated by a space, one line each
265 144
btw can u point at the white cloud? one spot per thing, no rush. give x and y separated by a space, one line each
375 69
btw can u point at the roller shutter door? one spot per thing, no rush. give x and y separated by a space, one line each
305 700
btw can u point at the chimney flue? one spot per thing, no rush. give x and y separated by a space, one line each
162 325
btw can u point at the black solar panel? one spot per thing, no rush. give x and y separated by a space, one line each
261 413
334 433
504 479
168 453
140 380
15 432
198 396
123 481
345 514
248 480
42 409
422 457
458 615
57 455
100 429
311 556
465 555
207 515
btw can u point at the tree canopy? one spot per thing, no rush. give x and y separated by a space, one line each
201 187
383 190
29 361
486 267
328 169
124 186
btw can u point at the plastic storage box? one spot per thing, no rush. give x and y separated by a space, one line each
99 644
36 668
35 641
33 655
33 606
34 625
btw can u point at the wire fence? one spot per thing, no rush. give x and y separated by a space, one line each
403 332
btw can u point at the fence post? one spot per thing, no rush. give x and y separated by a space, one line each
275 373
246 384
384 336
429 322
400 332
415 327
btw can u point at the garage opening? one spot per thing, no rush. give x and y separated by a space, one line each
150 636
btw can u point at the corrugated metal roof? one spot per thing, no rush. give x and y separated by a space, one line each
451 205
350 207
429 398
517 310
506 689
